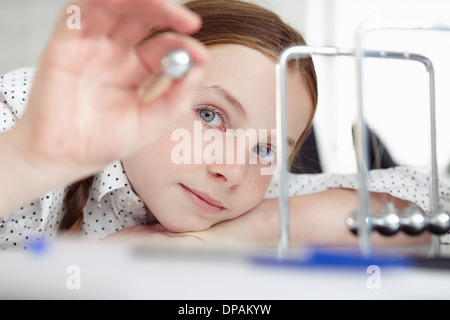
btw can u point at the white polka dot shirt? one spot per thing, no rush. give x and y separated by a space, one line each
112 205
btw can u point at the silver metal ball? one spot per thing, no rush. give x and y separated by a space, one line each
412 220
438 222
387 221
177 63
352 223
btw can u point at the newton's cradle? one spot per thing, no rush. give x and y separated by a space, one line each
412 221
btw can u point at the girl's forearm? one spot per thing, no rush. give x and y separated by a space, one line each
24 175
318 218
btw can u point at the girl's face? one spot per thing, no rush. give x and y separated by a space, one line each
237 92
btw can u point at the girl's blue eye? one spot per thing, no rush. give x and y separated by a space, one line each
265 153
210 117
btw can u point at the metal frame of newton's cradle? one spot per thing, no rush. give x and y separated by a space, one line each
364 218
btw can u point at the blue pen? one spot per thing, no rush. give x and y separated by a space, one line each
37 246
328 258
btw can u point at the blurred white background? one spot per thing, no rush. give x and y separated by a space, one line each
25 26
397 99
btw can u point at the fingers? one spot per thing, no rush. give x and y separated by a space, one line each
170 105
134 23
180 93
153 51
128 31
125 19
147 59
179 19
175 100
156 13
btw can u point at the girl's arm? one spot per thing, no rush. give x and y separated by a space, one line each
24 176
86 107
317 218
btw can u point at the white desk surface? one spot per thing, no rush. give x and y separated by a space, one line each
126 273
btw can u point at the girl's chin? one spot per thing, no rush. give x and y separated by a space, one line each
183 226
184 229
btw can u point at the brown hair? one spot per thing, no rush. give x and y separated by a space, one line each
74 203
225 22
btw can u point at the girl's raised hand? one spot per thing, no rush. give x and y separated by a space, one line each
86 108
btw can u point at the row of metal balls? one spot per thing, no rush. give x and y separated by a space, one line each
412 221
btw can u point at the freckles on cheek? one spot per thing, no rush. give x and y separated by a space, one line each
258 186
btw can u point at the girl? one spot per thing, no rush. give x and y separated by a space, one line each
217 201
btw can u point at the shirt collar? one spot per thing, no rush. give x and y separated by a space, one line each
111 178
15 88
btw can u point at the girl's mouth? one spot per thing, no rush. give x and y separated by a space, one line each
203 200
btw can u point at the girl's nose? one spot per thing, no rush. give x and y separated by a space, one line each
232 175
